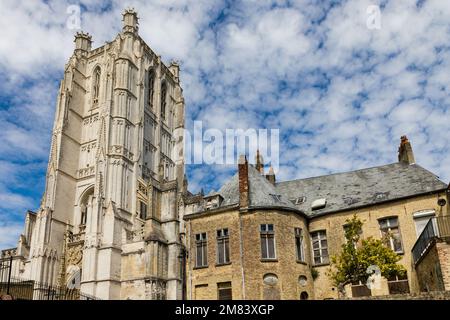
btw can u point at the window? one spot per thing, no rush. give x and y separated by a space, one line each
96 85
163 100
421 220
319 247
223 247
398 284
299 244
151 87
298 200
143 210
224 291
202 251
267 241
390 230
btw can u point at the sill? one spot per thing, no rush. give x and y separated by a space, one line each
202 267
269 260
401 253
321 264
223 264
302 262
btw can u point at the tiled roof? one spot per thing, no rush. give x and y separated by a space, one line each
342 191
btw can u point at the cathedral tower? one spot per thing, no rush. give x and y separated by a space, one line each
109 209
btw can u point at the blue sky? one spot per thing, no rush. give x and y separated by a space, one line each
340 93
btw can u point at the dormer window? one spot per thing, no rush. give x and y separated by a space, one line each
319 204
276 197
298 200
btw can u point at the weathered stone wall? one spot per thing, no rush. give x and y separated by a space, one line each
403 210
433 295
429 271
202 282
443 249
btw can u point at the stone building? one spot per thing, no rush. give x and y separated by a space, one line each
117 222
108 221
260 239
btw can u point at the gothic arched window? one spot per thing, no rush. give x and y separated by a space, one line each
151 87
96 85
163 100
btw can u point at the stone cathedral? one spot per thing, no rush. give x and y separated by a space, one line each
108 222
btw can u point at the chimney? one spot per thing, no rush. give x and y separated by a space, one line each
259 162
271 176
83 42
243 182
130 21
405 152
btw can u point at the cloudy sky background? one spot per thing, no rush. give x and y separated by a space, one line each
340 93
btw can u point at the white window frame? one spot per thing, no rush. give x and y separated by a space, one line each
265 232
320 248
389 229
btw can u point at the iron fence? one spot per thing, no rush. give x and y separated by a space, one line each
20 289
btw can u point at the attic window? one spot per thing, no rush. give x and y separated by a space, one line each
380 195
276 197
298 200
319 204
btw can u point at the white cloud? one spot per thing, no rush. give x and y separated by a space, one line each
341 94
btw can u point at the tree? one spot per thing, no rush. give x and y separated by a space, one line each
353 262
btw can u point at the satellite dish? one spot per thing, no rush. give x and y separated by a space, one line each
442 202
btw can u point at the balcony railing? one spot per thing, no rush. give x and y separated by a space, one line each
436 228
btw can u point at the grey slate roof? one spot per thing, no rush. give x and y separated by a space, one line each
362 187
342 190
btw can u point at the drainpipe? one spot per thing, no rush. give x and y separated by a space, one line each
241 247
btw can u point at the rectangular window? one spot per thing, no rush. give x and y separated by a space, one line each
299 244
319 247
223 246
267 241
202 250
224 291
143 208
390 230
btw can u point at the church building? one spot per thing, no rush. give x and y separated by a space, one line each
116 220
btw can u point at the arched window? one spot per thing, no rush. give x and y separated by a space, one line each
96 85
151 87
163 100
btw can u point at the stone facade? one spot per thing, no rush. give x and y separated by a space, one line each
250 200
108 221
246 268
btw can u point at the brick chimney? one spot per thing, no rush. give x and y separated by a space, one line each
243 182
271 176
405 152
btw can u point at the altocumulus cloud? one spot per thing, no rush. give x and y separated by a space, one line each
340 93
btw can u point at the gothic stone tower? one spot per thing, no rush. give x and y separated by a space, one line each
108 221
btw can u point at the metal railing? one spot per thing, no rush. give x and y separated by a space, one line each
436 228
22 289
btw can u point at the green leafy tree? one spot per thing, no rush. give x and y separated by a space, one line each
357 255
